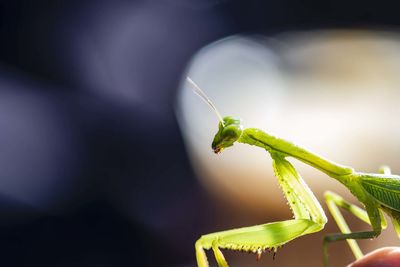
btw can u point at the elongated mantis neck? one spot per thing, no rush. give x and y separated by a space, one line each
272 144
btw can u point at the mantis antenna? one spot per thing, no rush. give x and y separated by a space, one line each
196 89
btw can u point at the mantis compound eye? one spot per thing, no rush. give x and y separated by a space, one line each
228 133
231 133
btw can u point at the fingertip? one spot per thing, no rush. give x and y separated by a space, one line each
383 257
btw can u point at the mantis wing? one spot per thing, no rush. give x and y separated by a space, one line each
385 190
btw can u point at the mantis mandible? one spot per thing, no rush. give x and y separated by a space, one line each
379 193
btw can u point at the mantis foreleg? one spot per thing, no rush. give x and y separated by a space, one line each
308 214
255 239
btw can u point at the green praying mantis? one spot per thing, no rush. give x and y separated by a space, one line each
379 193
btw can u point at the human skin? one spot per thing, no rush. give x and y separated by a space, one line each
383 257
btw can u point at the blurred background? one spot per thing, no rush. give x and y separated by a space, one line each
105 155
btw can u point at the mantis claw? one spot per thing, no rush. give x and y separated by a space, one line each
259 254
275 252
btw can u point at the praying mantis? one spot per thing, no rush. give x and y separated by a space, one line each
379 193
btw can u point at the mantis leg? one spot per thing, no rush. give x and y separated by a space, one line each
309 218
255 239
335 201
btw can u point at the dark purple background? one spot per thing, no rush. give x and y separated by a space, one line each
93 171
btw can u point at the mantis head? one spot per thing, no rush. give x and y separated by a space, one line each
229 131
